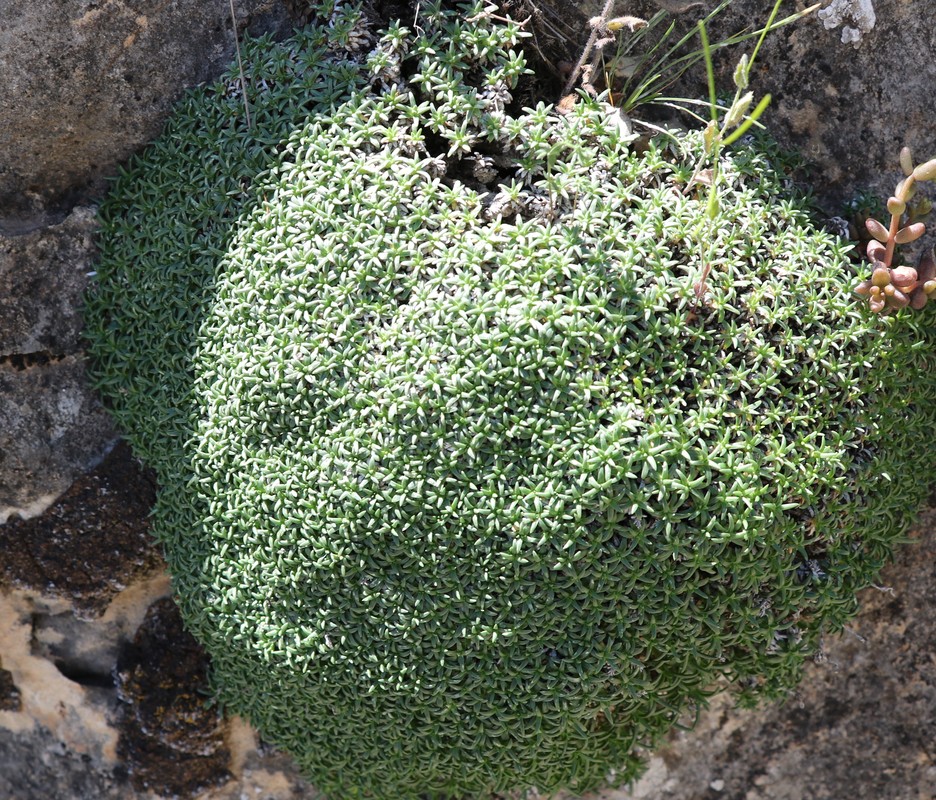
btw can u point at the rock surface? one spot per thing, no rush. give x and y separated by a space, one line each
101 691
90 544
170 741
89 82
100 688
851 83
52 427
849 106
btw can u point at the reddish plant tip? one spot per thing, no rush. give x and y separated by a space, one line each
897 299
910 234
876 229
876 252
896 207
904 278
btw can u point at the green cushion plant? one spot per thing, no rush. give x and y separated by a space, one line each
463 486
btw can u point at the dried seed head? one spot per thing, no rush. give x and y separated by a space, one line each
631 23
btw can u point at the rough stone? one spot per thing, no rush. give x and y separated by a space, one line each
38 766
851 84
111 707
52 428
43 274
88 82
849 109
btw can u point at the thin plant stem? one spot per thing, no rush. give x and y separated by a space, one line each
589 47
240 64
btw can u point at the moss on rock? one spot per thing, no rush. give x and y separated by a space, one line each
461 487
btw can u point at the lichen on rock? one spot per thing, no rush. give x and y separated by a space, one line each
860 13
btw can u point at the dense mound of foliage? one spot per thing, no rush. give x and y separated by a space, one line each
462 486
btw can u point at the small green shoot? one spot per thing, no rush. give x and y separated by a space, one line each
649 74
720 134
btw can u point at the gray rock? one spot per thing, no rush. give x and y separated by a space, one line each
850 88
88 547
111 707
52 428
86 84
43 273
36 764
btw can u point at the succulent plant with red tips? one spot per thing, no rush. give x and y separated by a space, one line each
890 288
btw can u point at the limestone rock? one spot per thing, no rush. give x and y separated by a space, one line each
10 697
110 708
43 273
52 428
93 697
848 109
101 691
